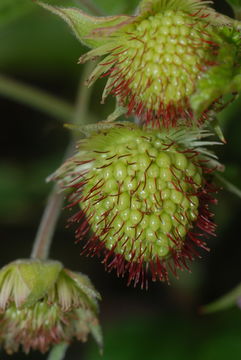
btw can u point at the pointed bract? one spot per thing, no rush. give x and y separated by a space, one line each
88 29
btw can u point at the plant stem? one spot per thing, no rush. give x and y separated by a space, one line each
36 98
43 240
228 185
48 222
225 302
83 96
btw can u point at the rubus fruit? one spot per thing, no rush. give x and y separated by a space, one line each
155 63
153 67
141 193
172 63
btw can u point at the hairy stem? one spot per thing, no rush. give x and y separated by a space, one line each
47 226
43 240
36 98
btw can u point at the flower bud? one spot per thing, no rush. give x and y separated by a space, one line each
142 193
43 304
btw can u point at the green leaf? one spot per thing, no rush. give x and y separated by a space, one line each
225 302
236 6
58 352
235 3
13 9
90 30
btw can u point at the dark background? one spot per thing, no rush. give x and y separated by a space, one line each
163 322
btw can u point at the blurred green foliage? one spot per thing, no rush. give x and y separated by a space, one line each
172 337
13 9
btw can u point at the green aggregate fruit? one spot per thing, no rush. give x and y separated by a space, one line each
140 193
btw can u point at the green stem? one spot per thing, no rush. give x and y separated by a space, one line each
43 240
83 96
47 225
36 98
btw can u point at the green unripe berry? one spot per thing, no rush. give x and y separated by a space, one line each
160 63
145 217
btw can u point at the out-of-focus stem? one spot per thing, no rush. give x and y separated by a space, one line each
35 98
228 185
51 213
225 302
47 225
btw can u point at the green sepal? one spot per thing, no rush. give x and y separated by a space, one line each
96 332
35 276
225 302
221 79
92 31
217 129
94 326
39 277
85 288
